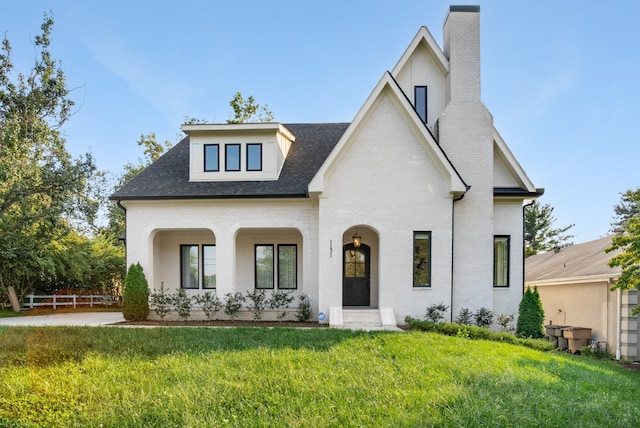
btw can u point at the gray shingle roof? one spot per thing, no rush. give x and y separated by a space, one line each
587 259
168 177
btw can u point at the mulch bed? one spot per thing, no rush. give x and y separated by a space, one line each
224 323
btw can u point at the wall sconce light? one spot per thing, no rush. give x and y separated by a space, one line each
357 239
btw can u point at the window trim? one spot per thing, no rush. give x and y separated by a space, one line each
508 261
295 246
182 273
424 106
255 267
215 270
413 258
217 158
259 145
226 157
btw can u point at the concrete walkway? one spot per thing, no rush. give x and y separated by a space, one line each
79 318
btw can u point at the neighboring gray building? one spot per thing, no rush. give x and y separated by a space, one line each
575 288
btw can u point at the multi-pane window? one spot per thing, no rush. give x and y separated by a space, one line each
232 157
195 270
420 96
285 270
211 157
501 261
264 266
189 266
208 266
421 259
288 266
254 157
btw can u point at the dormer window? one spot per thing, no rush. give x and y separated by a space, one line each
420 97
232 157
254 157
211 157
237 152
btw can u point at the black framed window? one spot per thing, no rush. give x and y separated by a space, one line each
501 244
288 266
208 266
420 97
232 157
264 269
422 259
254 157
211 157
189 266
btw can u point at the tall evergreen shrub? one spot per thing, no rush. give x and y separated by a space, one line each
530 315
135 296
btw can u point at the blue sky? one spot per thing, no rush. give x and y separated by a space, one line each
559 77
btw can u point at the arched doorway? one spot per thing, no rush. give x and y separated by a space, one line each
356 275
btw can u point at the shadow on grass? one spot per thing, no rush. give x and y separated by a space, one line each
43 346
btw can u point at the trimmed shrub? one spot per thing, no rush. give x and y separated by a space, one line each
483 317
465 316
135 296
161 302
530 315
182 302
233 304
280 301
304 311
436 312
210 304
258 299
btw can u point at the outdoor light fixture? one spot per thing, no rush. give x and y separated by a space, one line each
357 239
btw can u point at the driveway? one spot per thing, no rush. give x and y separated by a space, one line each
79 318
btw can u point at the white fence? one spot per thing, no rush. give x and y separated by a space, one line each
73 300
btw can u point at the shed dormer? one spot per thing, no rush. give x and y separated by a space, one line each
237 152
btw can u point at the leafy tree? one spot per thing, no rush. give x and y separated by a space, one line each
152 151
539 233
530 315
628 207
245 111
41 186
135 296
629 243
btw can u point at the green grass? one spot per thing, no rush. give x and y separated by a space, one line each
200 377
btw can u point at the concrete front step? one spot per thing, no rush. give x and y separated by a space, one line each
363 319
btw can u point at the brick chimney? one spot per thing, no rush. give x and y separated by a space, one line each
462 48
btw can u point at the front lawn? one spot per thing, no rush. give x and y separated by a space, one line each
197 377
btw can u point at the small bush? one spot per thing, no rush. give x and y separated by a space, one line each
233 304
530 315
304 312
258 302
161 302
210 304
280 301
135 296
504 321
436 312
483 317
465 316
182 302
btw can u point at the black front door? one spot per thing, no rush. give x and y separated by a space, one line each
356 289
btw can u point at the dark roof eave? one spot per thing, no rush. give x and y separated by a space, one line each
516 192
199 197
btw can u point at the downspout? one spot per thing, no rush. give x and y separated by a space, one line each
619 326
123 208
524 223
452 244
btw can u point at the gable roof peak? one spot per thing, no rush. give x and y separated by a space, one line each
423 36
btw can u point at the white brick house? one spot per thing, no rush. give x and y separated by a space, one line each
420 175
